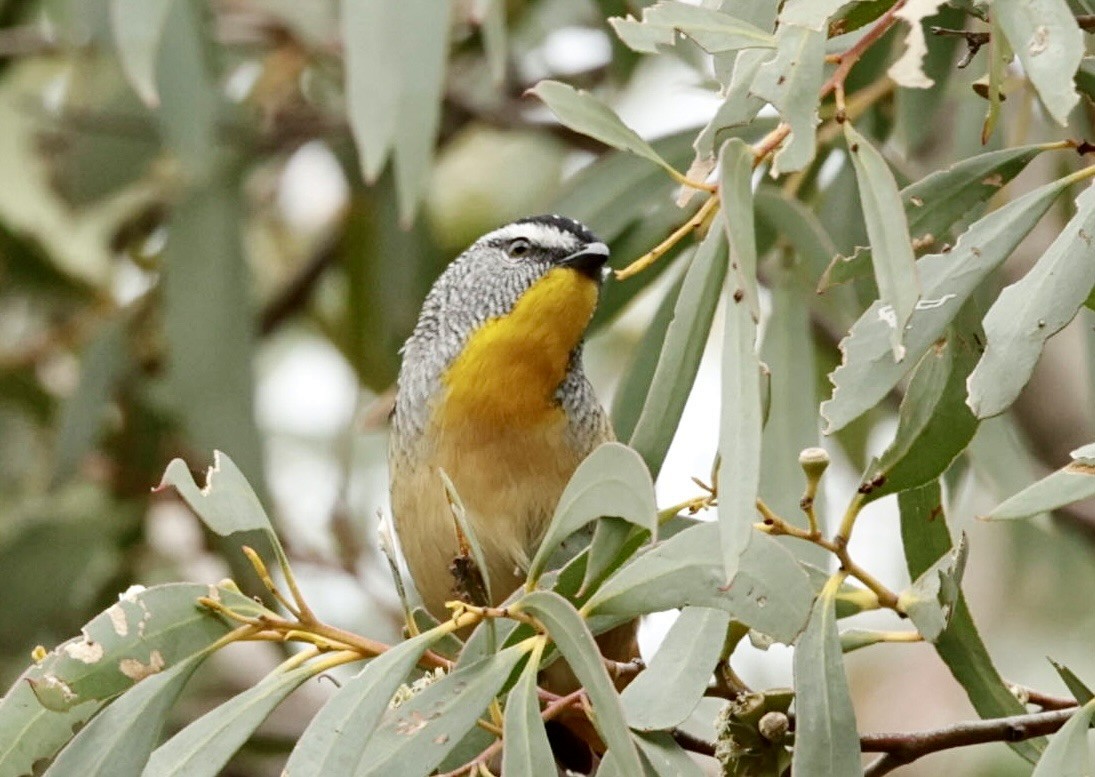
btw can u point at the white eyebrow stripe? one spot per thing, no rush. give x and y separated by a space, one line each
539 234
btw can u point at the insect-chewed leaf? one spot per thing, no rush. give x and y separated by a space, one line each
736 192
569 632
679 358
908 70
671 686
206 745
1049 43
826 740
31 733
612 481
1072 483
584 113
1069 751
526 749
930 601
120 739
712 30
868 371
413 738
138 28
894 262
357 706
926 538
1033 309
809 13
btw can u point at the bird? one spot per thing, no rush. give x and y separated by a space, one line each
491 391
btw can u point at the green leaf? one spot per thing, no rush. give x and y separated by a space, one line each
413 738
868 371
324 748
894 263
138 29
791 82
206 745
30 733
395 72
712 31
492 26
674 681
526 749
934 424
208 323
736 193
739 433
770 592
679 358
1033 309
926 538
638 377
120 739
1069 752
103 364
569 632
796 222
940 200
584 113
1076 686
665 756
612 481
826 739
738 108
929 602
809 13
1049 44
1072 483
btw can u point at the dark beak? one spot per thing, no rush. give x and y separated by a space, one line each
590 260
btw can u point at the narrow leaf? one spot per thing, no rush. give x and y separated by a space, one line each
1033 309
1076 686
712 30
569 632
930 600
324 748
138 27
526 750
1072 483
665 756
736 194
612 481
868 371
1069 752
894 262
584 113
372 79
826 739
679 359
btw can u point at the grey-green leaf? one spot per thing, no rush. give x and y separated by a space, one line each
584 113
1072 483
1033 309
826 739
930 600
526 750
1069 752
323 748
666 692
739 433
736 193
612 481
791 81
120 739
868 371
569 632
138 27
894 262
413 738
679 359
1049 44
1076 686
206 745
712 30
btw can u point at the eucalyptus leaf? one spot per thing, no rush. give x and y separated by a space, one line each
138 28
526 750
1069 751
674 681
712 30
1033 309
1076 686
735 172
930 600
1072 483
826 739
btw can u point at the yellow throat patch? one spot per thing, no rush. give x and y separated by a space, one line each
512 365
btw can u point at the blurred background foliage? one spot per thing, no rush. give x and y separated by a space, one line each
198 263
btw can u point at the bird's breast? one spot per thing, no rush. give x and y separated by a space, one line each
510 368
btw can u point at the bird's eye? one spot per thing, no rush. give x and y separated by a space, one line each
518 247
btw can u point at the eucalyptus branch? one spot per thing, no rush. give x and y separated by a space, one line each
901 749
706 210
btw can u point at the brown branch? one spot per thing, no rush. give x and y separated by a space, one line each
901 749
693 744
